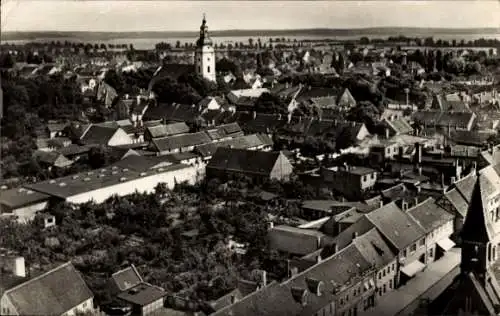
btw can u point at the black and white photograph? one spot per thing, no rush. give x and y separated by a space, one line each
249 158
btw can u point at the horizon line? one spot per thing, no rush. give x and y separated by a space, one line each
287 29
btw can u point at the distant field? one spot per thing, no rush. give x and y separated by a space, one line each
147 40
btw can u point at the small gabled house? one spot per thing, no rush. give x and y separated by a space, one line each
105 135
260 165
60 291
51 159
145 299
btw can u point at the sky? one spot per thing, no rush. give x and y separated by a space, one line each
123 16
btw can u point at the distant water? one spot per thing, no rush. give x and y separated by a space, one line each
149 43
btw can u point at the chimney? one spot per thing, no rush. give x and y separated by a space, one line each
138 99
254 114
419 169
334 248
263 278
416 200
315 286
387 133
419 188
380 204
442 180
299 295
418 153
126 96
404 205
233 299
15 265
354 235
319 259
453 179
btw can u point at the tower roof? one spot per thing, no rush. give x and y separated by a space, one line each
204 39
477 227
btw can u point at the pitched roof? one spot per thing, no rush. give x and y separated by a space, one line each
51 158
242 142
168 129
253 161
19 197
374 248
477 226
126 278
296 241
430 215
52 293
180 141
142 294
347 265
98 134
397 226
466 185
458 201
346 99
399 126
173 112
444 118
273 300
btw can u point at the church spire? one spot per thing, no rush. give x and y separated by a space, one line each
204 38
478 250
477 226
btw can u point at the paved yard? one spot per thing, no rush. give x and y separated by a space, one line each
429 283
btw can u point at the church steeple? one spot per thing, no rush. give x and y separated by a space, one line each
478 250
204 57
204 39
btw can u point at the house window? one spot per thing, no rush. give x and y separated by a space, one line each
421 242
390 283
364 178
413 248
208 69
393 267
199 68
385 289
84 304
431 252
383 273
404 253
380 275
373 176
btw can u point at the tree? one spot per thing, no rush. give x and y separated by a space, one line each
364 41
7 61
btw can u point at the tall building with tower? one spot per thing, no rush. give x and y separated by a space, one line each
204 57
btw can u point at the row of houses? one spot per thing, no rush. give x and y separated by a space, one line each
378 250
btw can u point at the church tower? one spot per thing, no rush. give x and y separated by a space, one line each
204 57
478 249
477 291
